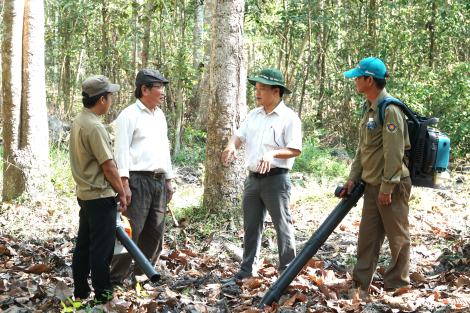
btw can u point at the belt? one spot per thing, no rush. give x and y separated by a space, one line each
272 172
154 175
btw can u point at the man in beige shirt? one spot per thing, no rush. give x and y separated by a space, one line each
97 179
379 162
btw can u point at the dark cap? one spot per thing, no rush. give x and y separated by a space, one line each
97 85
146 76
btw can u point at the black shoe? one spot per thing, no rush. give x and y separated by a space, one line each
234 278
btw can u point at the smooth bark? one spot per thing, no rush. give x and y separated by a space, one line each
227 105
25 158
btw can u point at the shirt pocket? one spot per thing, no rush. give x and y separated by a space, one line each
373 136
275 137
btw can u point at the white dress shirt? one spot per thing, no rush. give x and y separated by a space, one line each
142 141
263 132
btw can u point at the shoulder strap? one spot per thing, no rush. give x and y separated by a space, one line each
384 102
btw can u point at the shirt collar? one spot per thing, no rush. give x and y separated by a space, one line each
279 109
380 96
89 112
144 108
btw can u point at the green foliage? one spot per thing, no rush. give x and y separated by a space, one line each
319 162
60 173
193 147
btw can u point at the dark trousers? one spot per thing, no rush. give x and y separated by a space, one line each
269 194
377 221
94 247
146 214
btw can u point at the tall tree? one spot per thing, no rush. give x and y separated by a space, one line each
25 161
201 121
227 105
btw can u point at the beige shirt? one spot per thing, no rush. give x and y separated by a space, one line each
141 142
263 132
379 155
89 147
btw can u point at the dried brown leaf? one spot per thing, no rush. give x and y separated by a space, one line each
189 253
313 264
253 282
38 269
401 290
418 277
171 303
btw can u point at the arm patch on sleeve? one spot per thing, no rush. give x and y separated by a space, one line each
392 127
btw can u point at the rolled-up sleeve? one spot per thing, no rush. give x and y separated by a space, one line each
124 132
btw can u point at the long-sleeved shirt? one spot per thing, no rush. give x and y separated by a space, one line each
379 155
142 141
263 132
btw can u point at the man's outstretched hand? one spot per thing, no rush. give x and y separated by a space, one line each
230 150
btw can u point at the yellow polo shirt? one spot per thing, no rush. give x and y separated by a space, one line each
89 147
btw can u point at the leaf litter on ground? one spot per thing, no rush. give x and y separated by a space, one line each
36 274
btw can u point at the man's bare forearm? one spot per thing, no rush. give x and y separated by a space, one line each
285 153
112 175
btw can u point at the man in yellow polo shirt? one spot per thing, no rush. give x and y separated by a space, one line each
97 179
379 162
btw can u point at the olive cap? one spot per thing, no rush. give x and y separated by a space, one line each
270 76
97 85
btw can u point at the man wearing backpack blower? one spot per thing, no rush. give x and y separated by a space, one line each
379 162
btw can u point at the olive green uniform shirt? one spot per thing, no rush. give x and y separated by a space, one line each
89 147
380 153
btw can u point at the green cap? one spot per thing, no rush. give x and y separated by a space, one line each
270 76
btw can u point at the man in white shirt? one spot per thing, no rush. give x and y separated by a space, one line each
142 156
273 137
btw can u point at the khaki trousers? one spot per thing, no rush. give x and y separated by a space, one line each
377 221
147 218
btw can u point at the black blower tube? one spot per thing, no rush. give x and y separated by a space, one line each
137 255
313 244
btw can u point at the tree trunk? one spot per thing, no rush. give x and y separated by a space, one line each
146 39
371 30
25 158
201 122
197 35
179 118
432 39
227 105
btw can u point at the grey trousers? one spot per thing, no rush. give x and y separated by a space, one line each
271 194
146 215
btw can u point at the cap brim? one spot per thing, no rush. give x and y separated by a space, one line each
253 81
114 88
353 73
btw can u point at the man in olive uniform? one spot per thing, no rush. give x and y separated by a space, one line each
273 138
379 162
97 179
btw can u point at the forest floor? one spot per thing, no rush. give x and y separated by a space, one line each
37 240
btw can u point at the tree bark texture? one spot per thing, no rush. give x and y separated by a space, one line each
25 156
223 185
201 121
146 39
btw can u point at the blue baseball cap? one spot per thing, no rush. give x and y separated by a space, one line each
370 67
